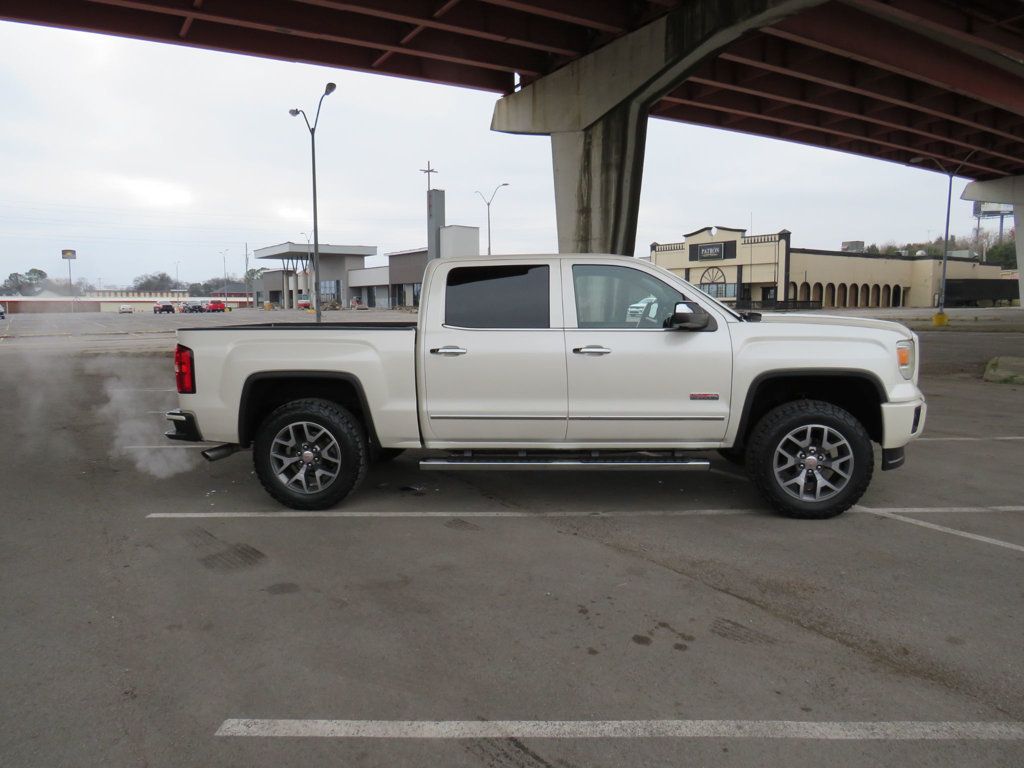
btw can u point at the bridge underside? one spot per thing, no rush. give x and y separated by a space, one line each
896 80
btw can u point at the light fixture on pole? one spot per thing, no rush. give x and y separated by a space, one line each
940 318
487 202
316 234
69 256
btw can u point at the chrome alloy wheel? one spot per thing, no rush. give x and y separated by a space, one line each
305 457
813 463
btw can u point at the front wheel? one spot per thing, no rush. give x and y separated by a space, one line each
810 459
310 454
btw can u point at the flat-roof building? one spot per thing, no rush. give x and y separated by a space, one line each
765 271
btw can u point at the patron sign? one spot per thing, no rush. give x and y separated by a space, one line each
713 251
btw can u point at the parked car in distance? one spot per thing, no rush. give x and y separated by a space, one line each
193 306
215 306
163 308
125 309
303 304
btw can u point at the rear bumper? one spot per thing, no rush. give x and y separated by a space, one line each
902 422
185 426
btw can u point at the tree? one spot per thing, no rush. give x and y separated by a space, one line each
28 284
1005 253
157 281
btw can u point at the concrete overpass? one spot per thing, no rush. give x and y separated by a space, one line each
936 81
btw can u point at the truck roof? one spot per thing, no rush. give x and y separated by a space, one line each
515 256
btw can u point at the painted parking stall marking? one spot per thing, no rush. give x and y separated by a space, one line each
944 529
897 730
895 513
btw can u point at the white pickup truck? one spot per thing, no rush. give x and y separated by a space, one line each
570 362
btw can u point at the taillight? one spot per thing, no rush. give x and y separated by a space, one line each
184 370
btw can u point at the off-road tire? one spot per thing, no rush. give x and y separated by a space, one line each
341 425
779 422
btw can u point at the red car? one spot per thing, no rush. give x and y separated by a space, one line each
215 306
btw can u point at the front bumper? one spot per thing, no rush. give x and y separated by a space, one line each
902 422
185 426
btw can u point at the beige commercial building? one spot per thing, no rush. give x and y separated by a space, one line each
766 271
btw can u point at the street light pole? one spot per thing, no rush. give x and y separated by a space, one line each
939 318
487 202
316 233
224 264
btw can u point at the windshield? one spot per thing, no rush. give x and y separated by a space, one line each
677 279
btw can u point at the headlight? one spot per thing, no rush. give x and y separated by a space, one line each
905 358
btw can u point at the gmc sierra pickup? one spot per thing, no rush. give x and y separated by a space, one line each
570 362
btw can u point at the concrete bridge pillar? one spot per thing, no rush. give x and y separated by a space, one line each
595 111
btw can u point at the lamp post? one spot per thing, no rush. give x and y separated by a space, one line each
309 258
487 202
224 264
176 280
940 318
316 235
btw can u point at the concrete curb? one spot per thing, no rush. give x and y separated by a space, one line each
1005 370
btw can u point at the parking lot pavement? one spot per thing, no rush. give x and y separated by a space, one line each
573 615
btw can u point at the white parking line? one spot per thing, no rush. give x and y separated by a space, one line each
929 510
944 529
461 513
412 513
898 730
967 439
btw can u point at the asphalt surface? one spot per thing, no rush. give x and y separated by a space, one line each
129 640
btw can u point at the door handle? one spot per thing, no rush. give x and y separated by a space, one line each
591 349
449 351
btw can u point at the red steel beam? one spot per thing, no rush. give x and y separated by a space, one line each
474 20
807 136
125 22
355 30
603 15
860 36
408 38
806 119
718 75
957 22
834 72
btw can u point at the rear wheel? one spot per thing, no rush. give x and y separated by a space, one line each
810 459
310 454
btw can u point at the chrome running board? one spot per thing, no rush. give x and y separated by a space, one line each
566 465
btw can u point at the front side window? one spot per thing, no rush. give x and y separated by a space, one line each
498 297
621 297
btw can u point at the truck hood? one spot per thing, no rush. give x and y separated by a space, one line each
848 322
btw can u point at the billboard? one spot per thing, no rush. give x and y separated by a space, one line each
991 210
68 254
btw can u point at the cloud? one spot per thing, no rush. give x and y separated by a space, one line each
152 193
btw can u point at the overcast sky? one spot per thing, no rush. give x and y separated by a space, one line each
144 156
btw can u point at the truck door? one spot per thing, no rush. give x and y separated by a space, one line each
630 379
493 357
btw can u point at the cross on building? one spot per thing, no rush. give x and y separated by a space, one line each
428 170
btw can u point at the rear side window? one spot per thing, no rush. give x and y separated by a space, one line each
498 297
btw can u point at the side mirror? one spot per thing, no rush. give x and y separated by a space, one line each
689 316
